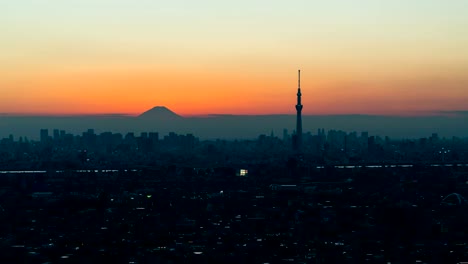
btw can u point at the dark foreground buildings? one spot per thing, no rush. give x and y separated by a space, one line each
179 214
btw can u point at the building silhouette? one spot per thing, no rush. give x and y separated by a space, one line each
297 142
44 136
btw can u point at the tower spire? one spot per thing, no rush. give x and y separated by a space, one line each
298 143
299 79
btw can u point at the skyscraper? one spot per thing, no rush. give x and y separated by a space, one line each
298 141
44 136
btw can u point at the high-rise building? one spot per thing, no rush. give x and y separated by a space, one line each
154 136
56 135
298 136
44 135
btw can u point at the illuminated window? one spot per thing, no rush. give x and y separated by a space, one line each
243 172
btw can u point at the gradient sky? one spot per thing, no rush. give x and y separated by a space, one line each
234 57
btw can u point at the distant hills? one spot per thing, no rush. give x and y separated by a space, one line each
163 120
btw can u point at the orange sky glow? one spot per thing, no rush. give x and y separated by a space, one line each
100 57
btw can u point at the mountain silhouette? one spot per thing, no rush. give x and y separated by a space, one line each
160 112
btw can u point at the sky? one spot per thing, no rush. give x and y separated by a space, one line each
201 57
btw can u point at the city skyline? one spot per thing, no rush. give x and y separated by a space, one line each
101 57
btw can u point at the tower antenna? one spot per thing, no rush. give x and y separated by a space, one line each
298 141
299 79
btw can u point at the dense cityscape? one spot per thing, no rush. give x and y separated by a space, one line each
325 197
144 199
62 150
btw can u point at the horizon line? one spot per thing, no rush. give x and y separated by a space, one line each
137 115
